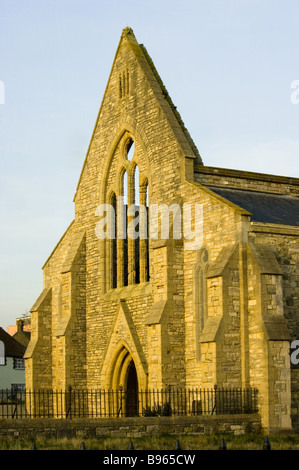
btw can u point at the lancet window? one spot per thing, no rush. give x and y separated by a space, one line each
129 250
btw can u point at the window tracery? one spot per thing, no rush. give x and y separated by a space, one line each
129 251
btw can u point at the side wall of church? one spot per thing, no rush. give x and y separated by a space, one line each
284 242
212 318
250 181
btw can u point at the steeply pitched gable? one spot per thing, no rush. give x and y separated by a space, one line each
129 51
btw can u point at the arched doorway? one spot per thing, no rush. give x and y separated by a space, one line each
127 378
132 391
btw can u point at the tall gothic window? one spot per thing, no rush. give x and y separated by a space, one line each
124 240
129 250
114 243
137 225
144 233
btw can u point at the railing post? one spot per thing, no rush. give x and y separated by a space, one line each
222 445
266 444
215 400
119 411
69 403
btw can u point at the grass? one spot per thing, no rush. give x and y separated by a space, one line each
162 442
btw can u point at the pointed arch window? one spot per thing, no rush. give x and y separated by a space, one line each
130 149
124 83
144 232
137 225
114 242
129 251
125 255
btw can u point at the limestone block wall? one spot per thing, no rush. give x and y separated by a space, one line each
133 105
284 243
141 111
279 384
223 177
38 354
130 427
213 348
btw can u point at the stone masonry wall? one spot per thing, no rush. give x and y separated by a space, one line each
129 427
141 111
227 178
286 249
220 233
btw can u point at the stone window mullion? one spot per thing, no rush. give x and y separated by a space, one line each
143 233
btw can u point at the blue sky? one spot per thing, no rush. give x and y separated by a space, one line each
228 66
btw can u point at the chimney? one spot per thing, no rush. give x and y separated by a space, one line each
20 325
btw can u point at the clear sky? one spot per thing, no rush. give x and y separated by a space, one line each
228 66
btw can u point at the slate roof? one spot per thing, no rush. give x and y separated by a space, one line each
12 347
264 207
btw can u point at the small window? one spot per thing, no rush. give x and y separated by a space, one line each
2 354
19 364
16 388
130 149
124 84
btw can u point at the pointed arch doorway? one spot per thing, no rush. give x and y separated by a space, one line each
124 377
131 390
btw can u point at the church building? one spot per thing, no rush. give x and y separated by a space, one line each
172 273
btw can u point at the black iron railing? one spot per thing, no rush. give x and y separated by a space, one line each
75 403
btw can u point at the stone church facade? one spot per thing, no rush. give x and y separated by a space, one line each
158 311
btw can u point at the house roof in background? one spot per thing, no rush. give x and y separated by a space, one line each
12 347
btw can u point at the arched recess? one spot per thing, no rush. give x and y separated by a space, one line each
131 269
144 230
200 297
139 136
116 376
113 244
136 242
123 241
126 375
